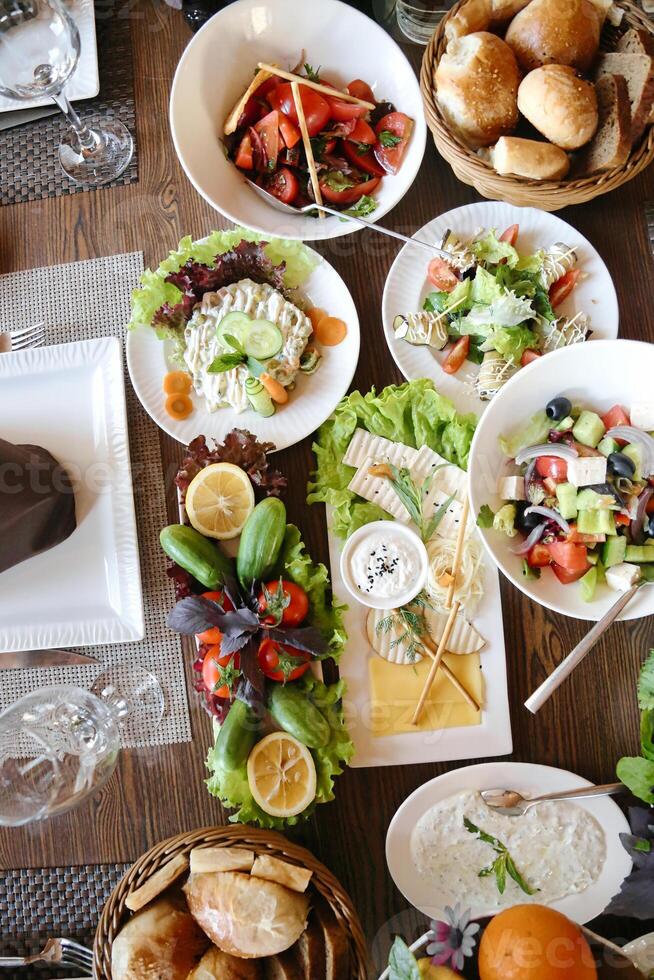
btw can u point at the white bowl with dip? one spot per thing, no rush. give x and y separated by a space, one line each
384 565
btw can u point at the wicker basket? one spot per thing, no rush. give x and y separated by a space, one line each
550 195
115 913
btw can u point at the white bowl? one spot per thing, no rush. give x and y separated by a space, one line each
596 375
217 67
384 602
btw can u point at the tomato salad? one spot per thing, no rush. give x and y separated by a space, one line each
353 147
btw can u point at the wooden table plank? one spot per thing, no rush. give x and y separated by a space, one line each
159 791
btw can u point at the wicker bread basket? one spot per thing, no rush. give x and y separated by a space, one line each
115 913
550 195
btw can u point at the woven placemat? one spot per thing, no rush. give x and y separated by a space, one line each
42 903
80 301
29 167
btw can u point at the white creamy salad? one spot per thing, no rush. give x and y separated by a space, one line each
202 345
558 848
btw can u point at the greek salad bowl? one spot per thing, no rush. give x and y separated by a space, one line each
328 42
562 478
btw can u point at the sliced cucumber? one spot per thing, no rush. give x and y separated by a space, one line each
259 398
263 340
236 325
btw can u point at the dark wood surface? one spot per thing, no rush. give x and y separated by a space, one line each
159 791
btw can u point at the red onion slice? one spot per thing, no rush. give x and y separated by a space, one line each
525 546
551 515
547 449
628 433
638 523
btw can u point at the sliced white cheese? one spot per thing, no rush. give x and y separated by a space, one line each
448 477
511 488
378 490
364 444
642 415
464 638
449 524
584 471
385 642
621 577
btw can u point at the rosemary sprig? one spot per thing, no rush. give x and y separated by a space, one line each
413 497
503 864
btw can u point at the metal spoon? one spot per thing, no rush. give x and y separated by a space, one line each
513 804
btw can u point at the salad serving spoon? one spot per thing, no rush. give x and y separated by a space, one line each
510 803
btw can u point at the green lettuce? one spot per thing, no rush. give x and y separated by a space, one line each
492 251
532 434
638 776
413 413
637 772
504 520
512 342
231 787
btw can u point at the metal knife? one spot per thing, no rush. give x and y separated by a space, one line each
44 658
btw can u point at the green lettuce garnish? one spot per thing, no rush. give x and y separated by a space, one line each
492 251
504 520
512 342
532 434
637 772
413 413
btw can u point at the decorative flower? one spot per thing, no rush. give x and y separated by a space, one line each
453 940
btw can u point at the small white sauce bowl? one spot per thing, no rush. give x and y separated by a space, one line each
389 528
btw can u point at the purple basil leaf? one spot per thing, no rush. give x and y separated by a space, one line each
253 678
232 644
194 615
306 638
635 898
235 623
641 821
232 591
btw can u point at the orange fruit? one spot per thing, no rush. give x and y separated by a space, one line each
532 942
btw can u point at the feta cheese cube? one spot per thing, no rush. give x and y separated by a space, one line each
511 488
621 577
584 471
642 415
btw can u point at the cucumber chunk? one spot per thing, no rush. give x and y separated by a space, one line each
588 429
263 340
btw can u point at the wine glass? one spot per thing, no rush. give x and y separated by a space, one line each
39 51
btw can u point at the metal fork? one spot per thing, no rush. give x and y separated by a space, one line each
22 339
64 952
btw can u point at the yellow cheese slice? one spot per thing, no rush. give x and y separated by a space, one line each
395 690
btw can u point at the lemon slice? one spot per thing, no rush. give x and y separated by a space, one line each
219 500
282 775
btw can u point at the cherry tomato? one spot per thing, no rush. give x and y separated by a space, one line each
282 663
284 185
349 195
317 110
360 90
570 556
625 520
244 156
529 356
268 130
296 610
398 126
363 133
553 467
441 275
510 235
562 288
213 634
214 673
539 556
616 416
566 576
457 355
344 111
365 161
580 537
290 132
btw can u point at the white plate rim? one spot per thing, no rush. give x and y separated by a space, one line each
523 776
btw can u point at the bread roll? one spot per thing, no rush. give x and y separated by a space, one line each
159 941
529 158
561 32
216 965
476 88
562 106
479 15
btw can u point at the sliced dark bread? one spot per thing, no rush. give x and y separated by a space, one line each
311 947
285 966
638 41
611 144
337 941
638 72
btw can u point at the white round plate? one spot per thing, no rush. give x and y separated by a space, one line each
597 376
312 401
218 65
407 286
530 780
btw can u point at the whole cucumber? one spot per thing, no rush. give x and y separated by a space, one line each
296 714
199 556
261 541
236 737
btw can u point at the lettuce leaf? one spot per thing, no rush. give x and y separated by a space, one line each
492 251
512 342
638 776
413 413
532 434
505 310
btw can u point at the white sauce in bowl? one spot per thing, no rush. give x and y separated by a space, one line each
558 848
384 564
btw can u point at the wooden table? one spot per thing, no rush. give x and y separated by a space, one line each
159 792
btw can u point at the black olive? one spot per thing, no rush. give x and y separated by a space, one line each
649 528
621 465
529 522
559 408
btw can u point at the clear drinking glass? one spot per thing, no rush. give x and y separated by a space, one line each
418 19
39 51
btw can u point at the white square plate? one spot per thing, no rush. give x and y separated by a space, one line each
70 399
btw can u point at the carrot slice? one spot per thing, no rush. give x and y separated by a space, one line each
179 406
277 392
316 314
330 331
177 383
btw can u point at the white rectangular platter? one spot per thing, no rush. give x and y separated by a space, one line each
70 399
491 738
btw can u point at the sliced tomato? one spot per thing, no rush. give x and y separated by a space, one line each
266 88
510 235
283 185
220 673
282 663
344 111
213 635
553 467
292 605
268 130
396 126
441 275
616 416
562 288
330 146
244 156
528 356
317 110
290 132
360 90
366 161
457 355
539 556
349 195
580 537
573 557
363 132
625 520
567 576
